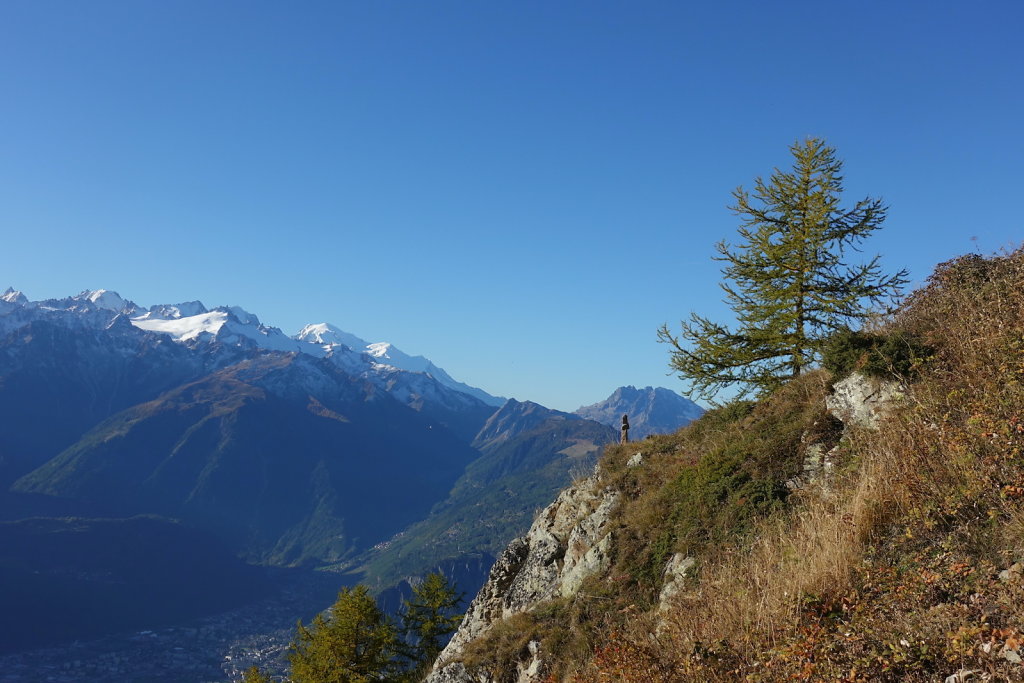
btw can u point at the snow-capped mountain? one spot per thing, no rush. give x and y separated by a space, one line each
193 324
328 335
226 324
12 296
385 355
169 311
282 450
108 300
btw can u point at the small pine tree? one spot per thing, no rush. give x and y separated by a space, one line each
429 616
356 645
787 280
254 675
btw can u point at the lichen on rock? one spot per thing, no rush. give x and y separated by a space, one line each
862 401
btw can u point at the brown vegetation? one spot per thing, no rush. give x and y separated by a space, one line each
896 570
893 572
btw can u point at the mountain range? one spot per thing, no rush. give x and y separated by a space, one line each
318 449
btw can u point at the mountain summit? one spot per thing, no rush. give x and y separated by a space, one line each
651 410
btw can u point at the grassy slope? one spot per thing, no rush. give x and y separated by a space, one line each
892 573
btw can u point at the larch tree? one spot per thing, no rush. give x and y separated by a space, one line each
357 644
787 279
429 617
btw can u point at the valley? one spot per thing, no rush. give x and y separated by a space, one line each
183 483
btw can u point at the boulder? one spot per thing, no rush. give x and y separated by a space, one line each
863 401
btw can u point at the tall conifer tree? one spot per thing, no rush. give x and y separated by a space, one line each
786 279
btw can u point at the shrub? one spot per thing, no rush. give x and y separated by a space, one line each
893 354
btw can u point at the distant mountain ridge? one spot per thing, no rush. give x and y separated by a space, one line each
192 323
650 410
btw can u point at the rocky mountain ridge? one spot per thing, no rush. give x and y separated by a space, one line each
650 410
194 325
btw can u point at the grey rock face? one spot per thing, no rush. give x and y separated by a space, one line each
817 465
863 401
568 542
455 673
678 569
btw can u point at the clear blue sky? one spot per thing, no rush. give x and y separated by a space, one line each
521 191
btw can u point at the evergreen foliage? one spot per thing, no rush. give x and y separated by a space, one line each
254 675
787 279
429 618
358 644
891 355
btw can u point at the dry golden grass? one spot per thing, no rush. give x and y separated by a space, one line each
889 573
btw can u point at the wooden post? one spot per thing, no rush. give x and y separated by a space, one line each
625 429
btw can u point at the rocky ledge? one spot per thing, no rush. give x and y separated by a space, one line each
568 542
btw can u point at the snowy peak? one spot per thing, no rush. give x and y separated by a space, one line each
650 410
386 354
13 296
174 311
328 335
105 299
184 329
226 324
191 323
243 316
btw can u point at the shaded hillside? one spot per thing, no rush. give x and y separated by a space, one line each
62 579
283 457
529 453
59 380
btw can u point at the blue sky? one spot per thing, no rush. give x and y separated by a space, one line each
521 191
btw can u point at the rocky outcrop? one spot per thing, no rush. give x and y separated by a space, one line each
863 401
679 568
817 463
858 401
568 542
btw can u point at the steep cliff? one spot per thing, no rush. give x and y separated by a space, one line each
569 541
